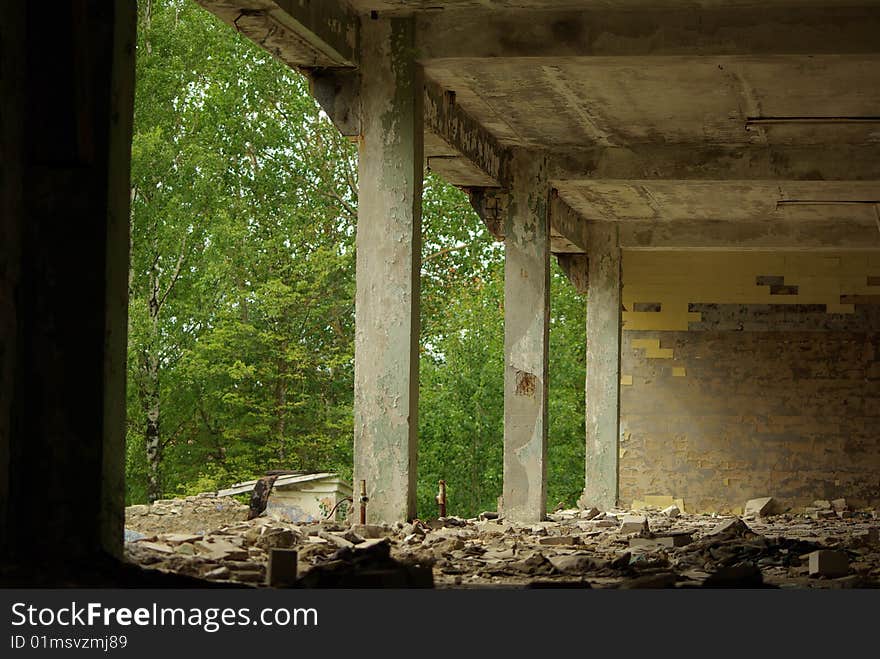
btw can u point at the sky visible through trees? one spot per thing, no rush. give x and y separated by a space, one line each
241 290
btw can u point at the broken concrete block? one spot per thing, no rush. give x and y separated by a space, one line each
559 540
590 513
634 524
179 538
828 563
761 507
156 546
733 527
217 549
336 539
373 531
839 505
669 541
217 573
604 523
866 537
671 511
282 571
822 504
573 564
352 537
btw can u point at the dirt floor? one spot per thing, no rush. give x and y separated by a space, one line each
825 547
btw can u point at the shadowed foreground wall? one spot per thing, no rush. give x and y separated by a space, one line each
766 394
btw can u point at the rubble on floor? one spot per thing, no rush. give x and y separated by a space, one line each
211 538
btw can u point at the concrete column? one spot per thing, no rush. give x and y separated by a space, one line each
67 87
526 326
603 366
386 385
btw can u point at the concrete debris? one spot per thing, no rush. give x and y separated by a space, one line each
371 531
574 563
671 511
731 527
653 549
634 524
762 507
679 539
828 563
559 540
589 513
282 570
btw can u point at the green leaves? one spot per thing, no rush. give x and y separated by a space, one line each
244 203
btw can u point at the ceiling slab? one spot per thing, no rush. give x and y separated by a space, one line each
561 103
735 201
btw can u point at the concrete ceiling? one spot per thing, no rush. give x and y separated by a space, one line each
621 101
735 201
660 112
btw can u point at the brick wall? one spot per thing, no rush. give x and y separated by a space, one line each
754 399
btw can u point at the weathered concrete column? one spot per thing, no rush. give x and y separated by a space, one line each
603 366
386 385
526 327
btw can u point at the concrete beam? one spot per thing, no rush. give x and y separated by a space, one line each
603 367
567 226
337 91
577 268
639 32
526 333
739 236
491 205
300 33
386 372
829 162
465 136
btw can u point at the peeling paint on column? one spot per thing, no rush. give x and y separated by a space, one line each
388 262
603 367
526 325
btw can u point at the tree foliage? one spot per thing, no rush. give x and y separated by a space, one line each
241 315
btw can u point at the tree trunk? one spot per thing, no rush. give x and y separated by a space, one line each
151 398
280 405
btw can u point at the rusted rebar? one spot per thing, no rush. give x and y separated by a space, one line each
364 500
441 499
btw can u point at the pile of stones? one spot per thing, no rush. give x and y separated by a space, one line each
584 548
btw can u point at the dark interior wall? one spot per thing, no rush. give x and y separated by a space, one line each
752 399
68 84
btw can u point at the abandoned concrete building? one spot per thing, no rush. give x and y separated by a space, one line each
706 172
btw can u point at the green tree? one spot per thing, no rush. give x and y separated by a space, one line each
244 202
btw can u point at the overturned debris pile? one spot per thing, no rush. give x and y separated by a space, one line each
583 548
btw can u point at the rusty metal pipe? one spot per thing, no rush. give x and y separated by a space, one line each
441 499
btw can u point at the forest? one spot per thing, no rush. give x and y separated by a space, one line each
241 290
